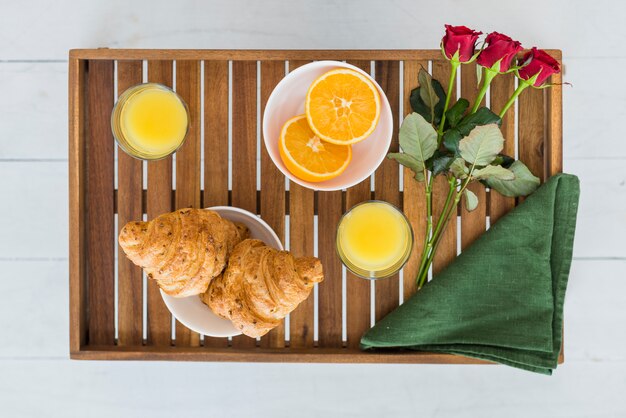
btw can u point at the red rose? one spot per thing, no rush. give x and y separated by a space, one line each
499 47
461 39
538 62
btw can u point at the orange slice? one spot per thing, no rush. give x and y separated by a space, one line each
307 157
342 106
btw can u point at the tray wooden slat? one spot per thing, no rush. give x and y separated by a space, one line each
215 146
129 208
266 54
387 180
215 133
502 87
554 142
76 176
414 203
100 217
244 120
188 162
301 243
232 75
273 196
330 310
358 293
555 125
531 133
159 201
270 355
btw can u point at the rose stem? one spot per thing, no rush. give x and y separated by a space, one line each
454 65
442 224
429 247
429 239
517 92
489 76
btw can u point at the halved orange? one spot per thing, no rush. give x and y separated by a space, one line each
309 158
342 106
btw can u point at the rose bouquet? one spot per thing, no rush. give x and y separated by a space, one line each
463 142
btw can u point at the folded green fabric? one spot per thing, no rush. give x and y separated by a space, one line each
502 298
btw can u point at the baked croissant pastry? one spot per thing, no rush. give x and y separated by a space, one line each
260 286
182 250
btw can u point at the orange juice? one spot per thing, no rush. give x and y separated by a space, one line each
374 239
150 121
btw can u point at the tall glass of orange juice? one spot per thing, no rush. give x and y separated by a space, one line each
374 239
150 121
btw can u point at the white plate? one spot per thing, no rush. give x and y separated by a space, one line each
287 101
197 316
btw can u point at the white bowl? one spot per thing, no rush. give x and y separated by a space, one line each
287 101
197 316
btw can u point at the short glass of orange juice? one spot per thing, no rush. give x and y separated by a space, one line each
374 239
150 121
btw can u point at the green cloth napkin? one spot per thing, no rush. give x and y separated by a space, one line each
502 298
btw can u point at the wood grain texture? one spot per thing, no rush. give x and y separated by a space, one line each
473 223
387 181
358 294
159 201
554 142
502 87
129 208
244 113
76 174
188 162
531 131
447 246
414 199
266 55
215 146
273 185
301 244
100 231
329 209
215 133
270 355
555 124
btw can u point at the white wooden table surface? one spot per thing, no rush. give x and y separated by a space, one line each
38 380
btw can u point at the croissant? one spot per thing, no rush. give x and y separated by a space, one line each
182 250
260 286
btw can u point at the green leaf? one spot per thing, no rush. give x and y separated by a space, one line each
441 163
427 91
459 169
451 140
418 105
471 200
482 116
523 184
409 162
503 160
495 172
455 113
482 145
418 138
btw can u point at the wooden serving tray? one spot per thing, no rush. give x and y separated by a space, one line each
113 317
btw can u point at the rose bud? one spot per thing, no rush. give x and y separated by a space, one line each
537 67
459 39
499 48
